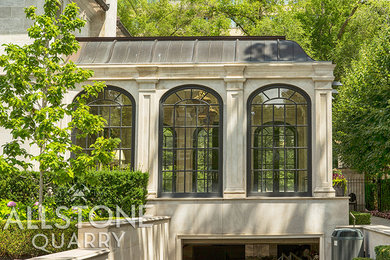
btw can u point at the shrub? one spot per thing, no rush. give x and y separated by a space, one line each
369 192
361 218
21 187
382 252
17 243
361 258
124 188
110 188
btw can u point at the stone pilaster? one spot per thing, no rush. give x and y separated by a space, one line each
322 137
147 150
234 167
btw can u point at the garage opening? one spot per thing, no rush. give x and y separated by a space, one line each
270 249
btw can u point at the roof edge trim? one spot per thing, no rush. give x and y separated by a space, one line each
179 38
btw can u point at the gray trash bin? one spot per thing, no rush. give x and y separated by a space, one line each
347 243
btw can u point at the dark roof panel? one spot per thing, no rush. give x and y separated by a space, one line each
158 51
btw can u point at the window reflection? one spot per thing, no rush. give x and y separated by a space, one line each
116 107
190 142
279 140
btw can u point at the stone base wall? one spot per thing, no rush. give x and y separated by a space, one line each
146 240
251 218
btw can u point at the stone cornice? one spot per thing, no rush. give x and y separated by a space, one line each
316 71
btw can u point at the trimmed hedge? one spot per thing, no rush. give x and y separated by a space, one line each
382 252
361 218
110 188
124 188
361 258
22 187
17 243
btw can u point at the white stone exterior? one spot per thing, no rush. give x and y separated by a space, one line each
235 216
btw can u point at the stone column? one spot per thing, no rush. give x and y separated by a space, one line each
322 137
234 143
147 150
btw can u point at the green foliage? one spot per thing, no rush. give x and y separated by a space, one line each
124 188
370 195
111 188
326 29
168 18
361 113
382 252
17 243
338 179
31 101
361 258
361 218
22 187
20 211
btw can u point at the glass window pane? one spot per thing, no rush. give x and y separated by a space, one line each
259 99
194 118
116 108
291 112
302 114
180 180
279 134
256 115
278 114
267 114
298 98
286 93
272 93
302 136
127 116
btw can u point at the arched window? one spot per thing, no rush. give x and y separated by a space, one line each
117 107
279 138
190 142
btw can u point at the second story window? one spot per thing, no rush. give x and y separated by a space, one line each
190 142
117 107
279 142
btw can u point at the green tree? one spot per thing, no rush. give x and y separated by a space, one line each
362 110
31 100
326 29
172 18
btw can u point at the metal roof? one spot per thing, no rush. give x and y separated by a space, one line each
173 50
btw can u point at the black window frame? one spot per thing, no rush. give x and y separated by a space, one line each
133 119
250 192
172 194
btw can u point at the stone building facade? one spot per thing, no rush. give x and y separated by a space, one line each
235 132
236 135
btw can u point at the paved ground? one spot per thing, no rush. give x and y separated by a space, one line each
380 221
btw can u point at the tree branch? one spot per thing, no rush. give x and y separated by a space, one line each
240 26
342 29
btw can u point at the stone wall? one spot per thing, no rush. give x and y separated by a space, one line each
146 240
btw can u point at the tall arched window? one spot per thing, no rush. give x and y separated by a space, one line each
190 142
117 107
279 138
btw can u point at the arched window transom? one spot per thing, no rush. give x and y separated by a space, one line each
190 142
279 142
117 107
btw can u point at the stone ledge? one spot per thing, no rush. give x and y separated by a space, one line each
130 221
281 199
78 254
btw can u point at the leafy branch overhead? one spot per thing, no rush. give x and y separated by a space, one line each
34 106
326 29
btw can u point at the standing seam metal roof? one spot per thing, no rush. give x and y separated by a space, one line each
187 51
